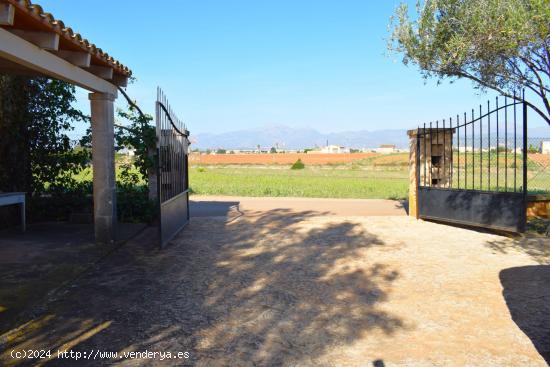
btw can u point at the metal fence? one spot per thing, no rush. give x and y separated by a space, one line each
538 167
173 170
485 151
473 167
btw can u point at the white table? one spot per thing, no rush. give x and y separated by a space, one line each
12 198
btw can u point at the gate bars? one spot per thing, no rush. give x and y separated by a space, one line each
172 170
487 152
473 170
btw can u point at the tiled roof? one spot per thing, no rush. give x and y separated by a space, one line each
68 35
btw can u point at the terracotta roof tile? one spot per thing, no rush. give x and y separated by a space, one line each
68 34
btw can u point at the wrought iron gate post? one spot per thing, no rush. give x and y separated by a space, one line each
524 157
418 152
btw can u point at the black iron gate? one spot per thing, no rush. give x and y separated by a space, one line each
173 172
472 169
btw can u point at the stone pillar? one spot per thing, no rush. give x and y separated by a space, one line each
435 160
103 159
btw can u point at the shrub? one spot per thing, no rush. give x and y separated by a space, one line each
56 203
298 164
133 204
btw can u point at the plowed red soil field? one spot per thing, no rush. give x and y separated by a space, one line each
541 159
286 158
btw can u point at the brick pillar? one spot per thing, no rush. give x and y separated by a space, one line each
434 170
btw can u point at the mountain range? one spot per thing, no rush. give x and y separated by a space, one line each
286 137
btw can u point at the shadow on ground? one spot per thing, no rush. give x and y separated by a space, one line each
212 208
536 247
267 289
44 257
527 294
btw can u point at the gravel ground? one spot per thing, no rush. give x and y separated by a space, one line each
287 288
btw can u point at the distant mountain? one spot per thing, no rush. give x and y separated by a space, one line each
290 138
286 137
539 132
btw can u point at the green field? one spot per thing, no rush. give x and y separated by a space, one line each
319 182
377 177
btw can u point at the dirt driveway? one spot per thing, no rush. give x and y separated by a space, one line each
299 288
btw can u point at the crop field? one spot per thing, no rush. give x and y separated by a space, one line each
280 158
500 172
368 175
357 175
308 182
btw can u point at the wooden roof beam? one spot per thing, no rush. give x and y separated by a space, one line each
103 72
120 80
26 54
7 13
45 40
9 67
77 58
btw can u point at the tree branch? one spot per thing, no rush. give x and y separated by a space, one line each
132 103
504 93
525 79
541 86
133 131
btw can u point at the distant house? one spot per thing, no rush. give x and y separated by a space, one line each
386 149
332 149
545 147
368 150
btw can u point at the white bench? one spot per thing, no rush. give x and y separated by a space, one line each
12 198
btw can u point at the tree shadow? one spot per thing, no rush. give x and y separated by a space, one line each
537 248
47 255
212 208
527 294
269 288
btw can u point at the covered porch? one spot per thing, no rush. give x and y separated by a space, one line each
34 43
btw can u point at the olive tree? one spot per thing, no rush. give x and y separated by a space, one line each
502 45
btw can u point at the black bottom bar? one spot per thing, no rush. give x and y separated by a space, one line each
174 215
496 210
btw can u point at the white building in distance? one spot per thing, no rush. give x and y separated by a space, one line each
334 149
330 149
386 149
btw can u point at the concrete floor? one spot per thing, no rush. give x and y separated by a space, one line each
283 287
212 206
47 255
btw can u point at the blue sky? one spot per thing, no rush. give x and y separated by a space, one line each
230 65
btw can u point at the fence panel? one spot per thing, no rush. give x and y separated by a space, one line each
538 166
172 171
473 167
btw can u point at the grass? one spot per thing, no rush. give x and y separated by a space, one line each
87 174
319 181
376 177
